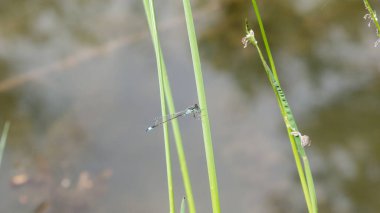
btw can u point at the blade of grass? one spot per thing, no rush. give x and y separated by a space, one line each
177 134
183 205
374 19
298 150
203 105
266 44
289 121
149 10
179 146
3 140
291 127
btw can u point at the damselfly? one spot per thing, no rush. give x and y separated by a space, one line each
192 110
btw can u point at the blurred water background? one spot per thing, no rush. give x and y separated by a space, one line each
78 82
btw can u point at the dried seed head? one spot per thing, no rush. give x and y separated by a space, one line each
305 140
250 37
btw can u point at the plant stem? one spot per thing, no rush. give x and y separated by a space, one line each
149 9
203 105
3 140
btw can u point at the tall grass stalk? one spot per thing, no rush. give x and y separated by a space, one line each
3 140
166 95
372 18
296 139
149 10
213 182
183 205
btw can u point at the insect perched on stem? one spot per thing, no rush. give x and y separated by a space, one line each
194 110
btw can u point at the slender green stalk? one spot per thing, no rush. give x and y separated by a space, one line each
203 105
289 121
372 18
180 150
297 140
149 10
183 205
166 92
266 44
3 140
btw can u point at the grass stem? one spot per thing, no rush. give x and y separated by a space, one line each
3 140
166 98
203 105
297 140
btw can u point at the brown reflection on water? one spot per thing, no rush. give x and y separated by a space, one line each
47 158
350 150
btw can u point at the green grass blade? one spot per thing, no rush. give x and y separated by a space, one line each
290 123
183 205
176 131
372 18
179 145
295 140
203 105
3 140
149 10
180 150
266 44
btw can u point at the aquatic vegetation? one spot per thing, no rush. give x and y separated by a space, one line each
297 140
166 98
3 139
371 17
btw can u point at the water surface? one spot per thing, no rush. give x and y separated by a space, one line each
78 82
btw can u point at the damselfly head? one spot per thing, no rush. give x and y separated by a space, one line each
196 111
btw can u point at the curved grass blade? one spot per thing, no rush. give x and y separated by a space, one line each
183 205
166 95
3 140
297 140
372 18
213 182
149 10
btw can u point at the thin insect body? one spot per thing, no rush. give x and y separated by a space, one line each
193 110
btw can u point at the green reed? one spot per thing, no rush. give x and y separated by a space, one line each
372 18
3 140
297 140
166 98
213 183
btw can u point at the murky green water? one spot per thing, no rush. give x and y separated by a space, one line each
78 83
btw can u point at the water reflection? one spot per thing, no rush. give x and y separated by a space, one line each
78 84
350 149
